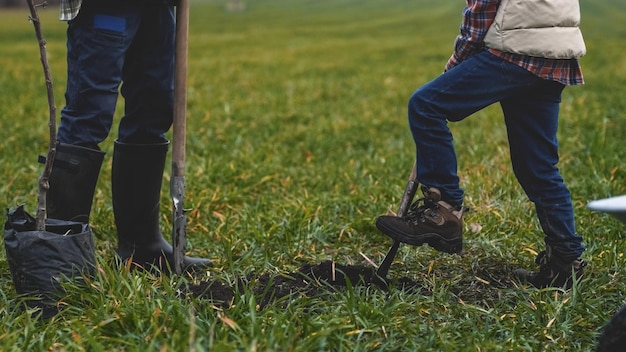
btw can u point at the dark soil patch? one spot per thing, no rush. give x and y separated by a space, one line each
485 283
309 280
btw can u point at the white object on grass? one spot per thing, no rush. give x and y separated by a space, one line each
615 206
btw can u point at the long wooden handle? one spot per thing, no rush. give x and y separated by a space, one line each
180 89
179 135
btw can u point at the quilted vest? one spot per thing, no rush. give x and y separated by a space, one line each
541 28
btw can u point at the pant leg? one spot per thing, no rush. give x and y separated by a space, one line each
469 87
148 78
97 42
532 122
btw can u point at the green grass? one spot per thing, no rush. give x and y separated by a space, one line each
297 141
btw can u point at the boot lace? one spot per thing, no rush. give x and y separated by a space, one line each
421 207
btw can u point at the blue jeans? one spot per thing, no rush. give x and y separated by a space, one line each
108 43
531 111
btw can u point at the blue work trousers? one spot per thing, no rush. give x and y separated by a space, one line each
531 112
113 43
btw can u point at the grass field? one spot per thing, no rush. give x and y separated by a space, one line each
297 140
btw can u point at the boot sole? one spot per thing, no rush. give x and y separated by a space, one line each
436 241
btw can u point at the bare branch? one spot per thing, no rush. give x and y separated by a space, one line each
43 180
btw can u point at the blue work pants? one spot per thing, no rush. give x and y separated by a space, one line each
531 112
113 43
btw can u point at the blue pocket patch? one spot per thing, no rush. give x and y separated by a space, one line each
111 23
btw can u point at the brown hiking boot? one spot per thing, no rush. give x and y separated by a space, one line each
553 271
429 220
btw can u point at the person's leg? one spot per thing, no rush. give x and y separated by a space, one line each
474 84
149 79
141 148
480 81
532 123
97 42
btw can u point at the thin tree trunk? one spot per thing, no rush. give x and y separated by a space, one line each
43 180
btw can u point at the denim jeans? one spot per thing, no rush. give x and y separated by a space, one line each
108 43
531 111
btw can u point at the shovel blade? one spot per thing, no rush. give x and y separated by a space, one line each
179 231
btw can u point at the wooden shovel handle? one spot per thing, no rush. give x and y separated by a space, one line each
180 89
179 134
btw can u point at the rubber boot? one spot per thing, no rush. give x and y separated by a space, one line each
73 181
64 249
136 175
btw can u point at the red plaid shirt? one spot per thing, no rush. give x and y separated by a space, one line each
477 18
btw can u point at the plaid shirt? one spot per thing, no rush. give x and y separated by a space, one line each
477 18
69 9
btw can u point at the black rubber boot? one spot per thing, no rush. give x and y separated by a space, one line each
73 181
137 174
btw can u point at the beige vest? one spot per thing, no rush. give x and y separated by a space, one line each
541 28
